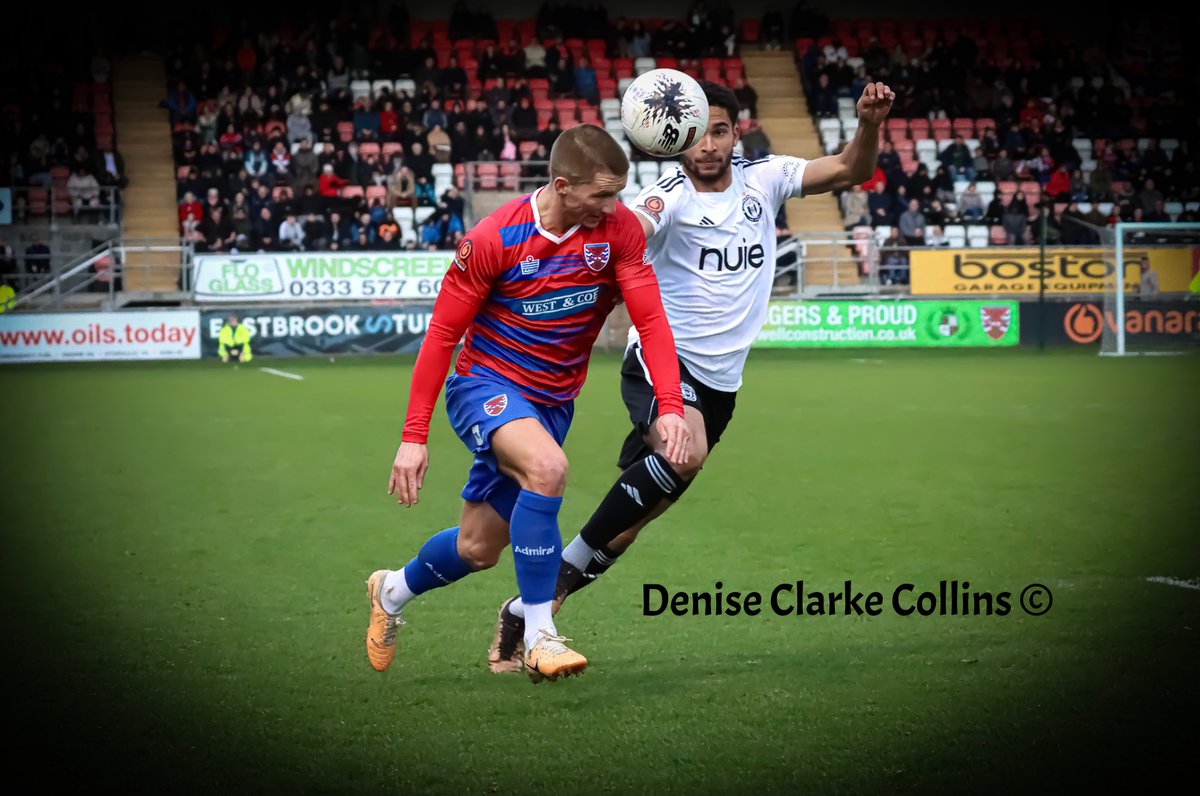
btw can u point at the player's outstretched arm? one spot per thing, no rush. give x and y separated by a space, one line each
856 163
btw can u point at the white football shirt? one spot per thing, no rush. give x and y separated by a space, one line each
714 256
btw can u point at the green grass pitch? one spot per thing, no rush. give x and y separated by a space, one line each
185 546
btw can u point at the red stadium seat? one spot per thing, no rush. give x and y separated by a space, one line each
527 148
345 131
488 176
351 191
376 192
368 148
460 176
38 201
964 127
390 150
565 108
510 176
997 236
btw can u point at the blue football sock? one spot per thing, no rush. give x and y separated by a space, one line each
536 545
438 564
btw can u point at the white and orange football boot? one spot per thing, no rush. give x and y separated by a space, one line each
381 629
549 658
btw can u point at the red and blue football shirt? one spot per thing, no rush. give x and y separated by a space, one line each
532 303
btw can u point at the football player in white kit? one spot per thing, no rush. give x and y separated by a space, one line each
710 232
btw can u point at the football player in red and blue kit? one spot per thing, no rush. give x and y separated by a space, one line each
530 286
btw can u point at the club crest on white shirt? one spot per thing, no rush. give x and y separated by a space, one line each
752 207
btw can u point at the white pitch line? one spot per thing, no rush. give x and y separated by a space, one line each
1194 583
282 373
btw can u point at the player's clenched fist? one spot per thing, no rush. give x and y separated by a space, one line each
408 472
875 103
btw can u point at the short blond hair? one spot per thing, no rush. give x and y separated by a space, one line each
582 152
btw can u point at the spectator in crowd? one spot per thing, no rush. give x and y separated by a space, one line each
1149 197
912 224
855 207
747 99
936 237
755 143
281 161
264 235
217 230
1003 169
893 261
291 233
109 168
439 144
424 192
329 184
181 104
943 185
994 214
1100 183
981 165
585 82
419 161
401 187
1016 220
1158 215
37 256
8 260
303 168
535 58
970 204
83 190
1059 184
362 231
958 160
1148 283
524 119
316 232
879 203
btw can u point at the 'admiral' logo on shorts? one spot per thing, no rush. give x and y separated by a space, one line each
689 393
596 255
494 406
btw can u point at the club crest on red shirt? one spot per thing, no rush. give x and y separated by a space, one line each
494 406
596 255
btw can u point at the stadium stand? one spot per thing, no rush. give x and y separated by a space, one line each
1001 110
363 125
62 170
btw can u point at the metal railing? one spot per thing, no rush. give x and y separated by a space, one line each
101 273
55 204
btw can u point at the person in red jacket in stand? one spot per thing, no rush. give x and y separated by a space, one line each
329 183
531 286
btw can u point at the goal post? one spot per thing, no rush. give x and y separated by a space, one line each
1151 305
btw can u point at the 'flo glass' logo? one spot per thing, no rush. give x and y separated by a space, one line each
237 276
